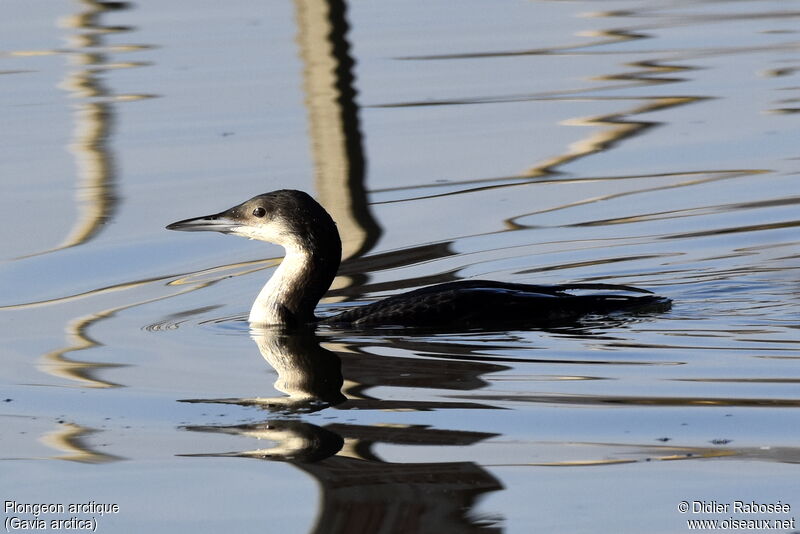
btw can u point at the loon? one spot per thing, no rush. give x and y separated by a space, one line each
294 220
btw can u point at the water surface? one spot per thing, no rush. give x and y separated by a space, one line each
627 142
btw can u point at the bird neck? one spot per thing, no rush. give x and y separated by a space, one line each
291 294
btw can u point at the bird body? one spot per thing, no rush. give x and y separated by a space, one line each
490 303
297 222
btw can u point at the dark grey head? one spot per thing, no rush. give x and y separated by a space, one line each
286 217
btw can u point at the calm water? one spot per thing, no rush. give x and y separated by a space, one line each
644 143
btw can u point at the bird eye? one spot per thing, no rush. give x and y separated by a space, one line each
259 212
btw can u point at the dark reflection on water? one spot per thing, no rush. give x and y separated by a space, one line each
360 492
313 378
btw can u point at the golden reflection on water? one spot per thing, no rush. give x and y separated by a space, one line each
97 196
335 132
336 140
56 363
87 52
70 440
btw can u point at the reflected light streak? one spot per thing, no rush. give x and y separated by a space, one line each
70 439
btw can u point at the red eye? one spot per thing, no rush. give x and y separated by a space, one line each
259 212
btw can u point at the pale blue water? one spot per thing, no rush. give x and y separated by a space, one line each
625 142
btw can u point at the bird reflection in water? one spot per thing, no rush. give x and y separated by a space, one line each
361 492
313 377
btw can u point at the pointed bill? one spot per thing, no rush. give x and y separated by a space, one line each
209 223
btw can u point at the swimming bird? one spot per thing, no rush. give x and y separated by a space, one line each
313 248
